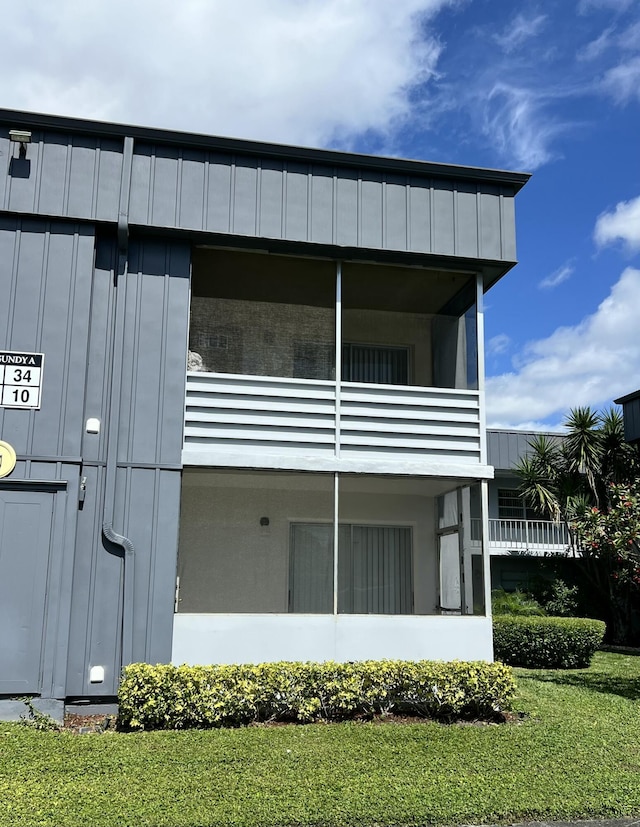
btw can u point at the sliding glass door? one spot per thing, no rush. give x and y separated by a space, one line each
375 569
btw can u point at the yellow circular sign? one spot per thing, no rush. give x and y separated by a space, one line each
7 459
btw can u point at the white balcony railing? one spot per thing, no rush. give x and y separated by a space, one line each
229 416
523 536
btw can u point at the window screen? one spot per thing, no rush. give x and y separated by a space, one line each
375 572
375 364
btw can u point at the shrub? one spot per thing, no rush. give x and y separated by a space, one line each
546 642
179 697
514 603
555 596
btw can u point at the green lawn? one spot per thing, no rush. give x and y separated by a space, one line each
576 755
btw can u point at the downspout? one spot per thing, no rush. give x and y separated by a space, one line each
117 348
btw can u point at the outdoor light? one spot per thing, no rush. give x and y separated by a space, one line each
22 137
93 425
264 521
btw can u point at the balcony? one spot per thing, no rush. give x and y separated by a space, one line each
304 364
259 421
535 537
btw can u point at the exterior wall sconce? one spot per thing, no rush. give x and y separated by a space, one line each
93 425
22 137
264 521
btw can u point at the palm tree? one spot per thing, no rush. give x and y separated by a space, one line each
573 471
565 477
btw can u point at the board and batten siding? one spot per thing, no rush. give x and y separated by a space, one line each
631 414
46 273
155 292
60 299
247 195
291 201
506 448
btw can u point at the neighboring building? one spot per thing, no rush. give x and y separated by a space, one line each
631 414
514 527
518 535
323 314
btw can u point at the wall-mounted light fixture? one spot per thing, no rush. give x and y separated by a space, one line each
264 521
22 137
93 425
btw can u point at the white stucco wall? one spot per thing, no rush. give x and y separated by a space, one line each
255 638
228 562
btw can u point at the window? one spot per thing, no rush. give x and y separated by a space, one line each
380 365
511 506
375 571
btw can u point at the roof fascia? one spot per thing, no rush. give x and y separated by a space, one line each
630 397
236 145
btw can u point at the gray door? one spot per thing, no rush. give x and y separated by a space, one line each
25 538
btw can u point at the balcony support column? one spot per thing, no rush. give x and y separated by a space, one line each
338 349
486 556
480 351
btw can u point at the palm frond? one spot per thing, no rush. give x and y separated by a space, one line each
583 444
545 453
537 488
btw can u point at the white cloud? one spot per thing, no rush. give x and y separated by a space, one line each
304 72
625 39
557 277
497 344
623 224
515 122
597 47
630 38
622 82
585 6
519 29
586 364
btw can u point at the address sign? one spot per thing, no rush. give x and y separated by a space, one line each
20 379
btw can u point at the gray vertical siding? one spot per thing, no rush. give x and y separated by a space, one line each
63 175
59 304
45 272
251 197
149 444
631 413
505 448
152 396
190 188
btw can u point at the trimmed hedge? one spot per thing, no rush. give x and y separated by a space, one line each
546 642
180 697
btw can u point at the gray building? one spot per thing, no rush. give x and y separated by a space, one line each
631 414
514 527
242 402
521 542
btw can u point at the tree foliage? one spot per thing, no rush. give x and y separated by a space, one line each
612 538
588 479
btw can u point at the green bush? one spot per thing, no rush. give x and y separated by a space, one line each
514 603
180 697
555 597
546 642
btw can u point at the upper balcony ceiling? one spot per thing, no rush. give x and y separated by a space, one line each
279 197
229 274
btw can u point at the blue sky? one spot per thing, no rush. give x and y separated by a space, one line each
551 87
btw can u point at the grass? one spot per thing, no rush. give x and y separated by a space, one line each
576 755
